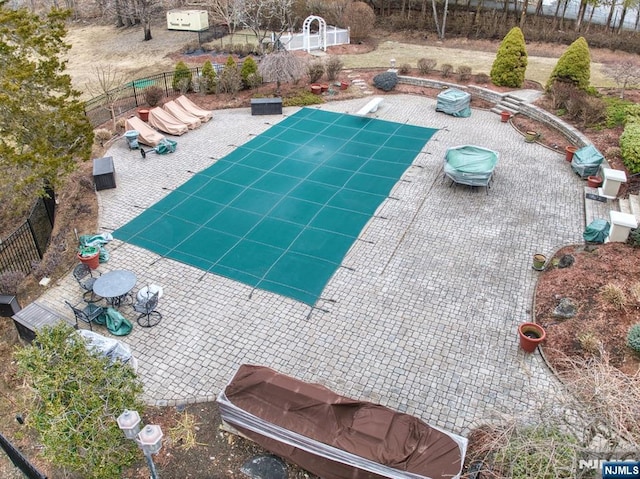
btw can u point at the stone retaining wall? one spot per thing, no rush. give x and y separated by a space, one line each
526 109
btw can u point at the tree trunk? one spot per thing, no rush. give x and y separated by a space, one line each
593 9
581 13
635 27
564 13
477 13
147 30
435 17
622 17
539 7
523 15
554 23
444 18
610 16
119 20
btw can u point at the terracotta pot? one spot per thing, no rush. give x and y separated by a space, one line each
144 115
316 90
570 150
539 260
531 334
594 181
92 261
505 116
344 85
324 86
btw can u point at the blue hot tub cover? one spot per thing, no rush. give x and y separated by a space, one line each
454 102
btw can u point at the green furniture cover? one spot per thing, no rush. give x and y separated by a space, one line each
586 161
454 102
470 165
597 231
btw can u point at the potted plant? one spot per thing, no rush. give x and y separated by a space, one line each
531 136
531 334
539 260
89 255
569 151
594 181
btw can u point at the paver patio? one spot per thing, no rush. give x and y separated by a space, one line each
420 317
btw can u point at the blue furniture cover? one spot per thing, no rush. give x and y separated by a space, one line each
470 165
586 161
454 102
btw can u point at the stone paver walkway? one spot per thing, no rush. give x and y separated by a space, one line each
422 316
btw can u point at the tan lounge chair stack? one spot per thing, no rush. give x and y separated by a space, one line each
181 114
164 121
193 109
175 118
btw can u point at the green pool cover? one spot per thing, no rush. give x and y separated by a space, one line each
280 212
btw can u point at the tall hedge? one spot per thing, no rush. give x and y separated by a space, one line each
630 146
574 66
509 67
181 77
209 77
249 68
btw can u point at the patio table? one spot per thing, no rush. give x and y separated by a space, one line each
115 286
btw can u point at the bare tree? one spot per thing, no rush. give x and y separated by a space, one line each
263 17
281 67
626 74
108 85
128 13
227 12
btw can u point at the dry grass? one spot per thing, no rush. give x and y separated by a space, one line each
601 412
614 295
183 434
590 343
538 69
102 45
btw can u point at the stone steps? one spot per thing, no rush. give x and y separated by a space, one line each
508 103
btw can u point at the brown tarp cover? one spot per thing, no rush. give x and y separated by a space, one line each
188 105
181 114
366 430
146 134
163 121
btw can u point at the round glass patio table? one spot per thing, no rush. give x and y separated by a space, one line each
115 286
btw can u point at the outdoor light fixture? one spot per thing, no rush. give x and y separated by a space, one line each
149 438
393 62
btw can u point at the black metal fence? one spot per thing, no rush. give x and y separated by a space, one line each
28 242
131 96
20 461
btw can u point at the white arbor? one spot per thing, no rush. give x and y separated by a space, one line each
322 33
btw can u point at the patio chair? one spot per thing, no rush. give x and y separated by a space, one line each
84 276
88 314
146 306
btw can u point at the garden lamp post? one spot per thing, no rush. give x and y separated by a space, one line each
149 438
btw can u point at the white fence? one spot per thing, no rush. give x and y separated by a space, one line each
334 36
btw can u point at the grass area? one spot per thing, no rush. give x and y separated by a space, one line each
538 70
